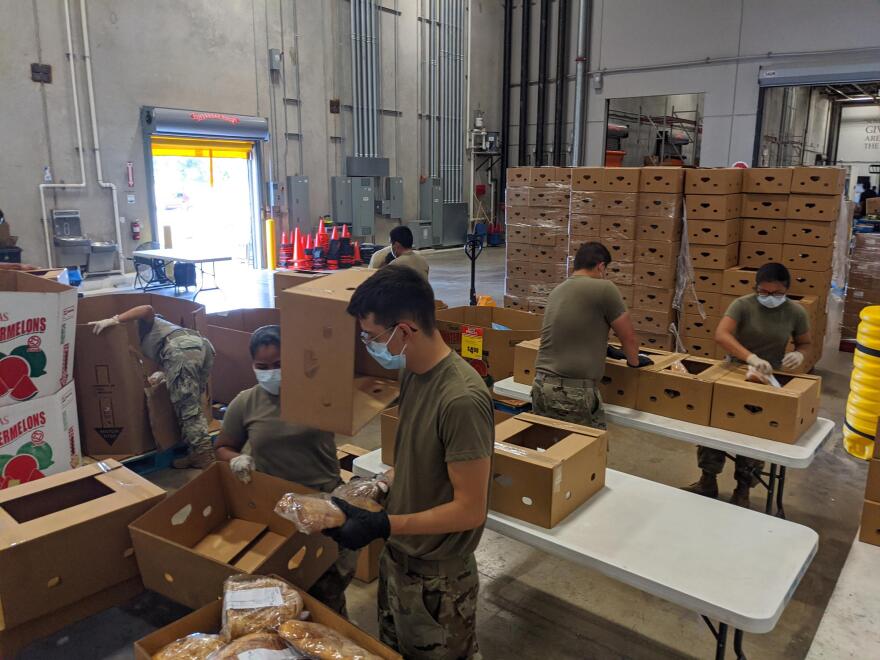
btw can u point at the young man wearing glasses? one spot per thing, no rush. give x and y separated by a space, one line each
438 500
755 330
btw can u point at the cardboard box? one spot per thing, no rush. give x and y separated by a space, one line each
621 250
552 273
711 303
714 232
818 180
585 226
619 203
621 179
694 325
664 342
739 281
659 229
872 486
208 619
549 217
713 181
551 177
65 538
230 334
550 255
494 357
286 279
655 252
662 180
545 469
780 414
517 196
552 197
518 177
331 382
715 257
526 288
519 270
651 322
587 203
514 233
216 526
548 236
810 305
758 254
872 206
38 438
520 252
809 282
368 562
616 227
37 333
654 275
700 346
823 208
110 372
709 281
767 180
622 274
869 532
620 382
588 178
809 232
627 294
684 396
657 300
763 230
760 205
712 207
519 215
660 205
514 302
524 355
808 257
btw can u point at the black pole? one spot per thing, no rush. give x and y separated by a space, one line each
561 34
543 45
524 84
505 101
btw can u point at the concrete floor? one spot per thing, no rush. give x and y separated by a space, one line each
533 605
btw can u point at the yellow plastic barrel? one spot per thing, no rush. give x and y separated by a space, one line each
863 403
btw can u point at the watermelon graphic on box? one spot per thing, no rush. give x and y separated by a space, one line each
38 437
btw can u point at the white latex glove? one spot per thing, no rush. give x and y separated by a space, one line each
242 466
793 360
759 365
99 326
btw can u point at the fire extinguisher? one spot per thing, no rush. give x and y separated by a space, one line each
136 230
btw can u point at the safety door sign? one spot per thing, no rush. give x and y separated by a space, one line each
471 342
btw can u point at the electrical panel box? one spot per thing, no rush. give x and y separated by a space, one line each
453 226
363 204
340 193
298 202
392 205
431 205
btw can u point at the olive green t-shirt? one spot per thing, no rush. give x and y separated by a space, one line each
290 451
574 336
414 260
445 416
765 331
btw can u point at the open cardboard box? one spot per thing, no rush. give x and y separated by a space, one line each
776 413
544 468
216 526
525 355
686 396
287 279
208 619
620 382
330 381
65 537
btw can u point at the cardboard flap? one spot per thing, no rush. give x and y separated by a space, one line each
229 539
22 282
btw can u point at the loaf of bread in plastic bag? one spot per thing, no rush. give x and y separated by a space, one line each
197 646
318 641
314 513
252 603
261 641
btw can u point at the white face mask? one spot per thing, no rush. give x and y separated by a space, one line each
269 380
771 302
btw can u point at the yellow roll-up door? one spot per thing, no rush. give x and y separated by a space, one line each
196 148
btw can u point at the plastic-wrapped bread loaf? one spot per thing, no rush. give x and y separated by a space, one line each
319 641
261 641
197 646
360 489
314 513
252 603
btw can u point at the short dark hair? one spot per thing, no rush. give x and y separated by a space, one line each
393 294
773 272
590 255
403 235
267 335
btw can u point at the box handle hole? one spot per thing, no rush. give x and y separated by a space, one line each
169 578
180 517
297 559
672 394
53 582
753 408
527 501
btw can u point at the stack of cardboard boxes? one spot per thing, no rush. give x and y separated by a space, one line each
863 282
537 234
870 531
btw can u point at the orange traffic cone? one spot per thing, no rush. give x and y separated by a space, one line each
334 236
357 254
321 239
345 233
297 249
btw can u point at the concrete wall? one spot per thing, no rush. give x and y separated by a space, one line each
204 55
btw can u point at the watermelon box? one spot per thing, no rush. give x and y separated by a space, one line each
39 438
37 332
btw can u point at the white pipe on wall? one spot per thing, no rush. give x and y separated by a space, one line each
354 95
580 101
79 142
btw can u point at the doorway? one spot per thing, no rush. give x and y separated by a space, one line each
205 192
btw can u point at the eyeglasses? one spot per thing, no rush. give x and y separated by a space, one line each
367 339
772 294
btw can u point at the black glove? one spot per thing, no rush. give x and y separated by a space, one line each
615 353
644 361
361 526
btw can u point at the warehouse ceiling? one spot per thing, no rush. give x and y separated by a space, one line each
852 92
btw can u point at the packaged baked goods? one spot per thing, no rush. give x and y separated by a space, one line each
197 646
249 646
318 641
252 603
314 513
371 489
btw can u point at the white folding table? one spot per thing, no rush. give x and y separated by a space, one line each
670 543
778 454
163 256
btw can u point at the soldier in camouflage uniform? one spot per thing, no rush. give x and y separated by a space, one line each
186 358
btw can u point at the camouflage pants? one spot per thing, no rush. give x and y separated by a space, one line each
187 361
429 617
330 587
712 461
558 398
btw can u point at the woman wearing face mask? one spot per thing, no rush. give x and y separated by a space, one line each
254 437
755 330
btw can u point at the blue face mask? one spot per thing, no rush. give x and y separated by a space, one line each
771 302
382 354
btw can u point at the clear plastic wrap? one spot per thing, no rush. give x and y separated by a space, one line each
357 489
197 646
314 513
259 641
252 603
319 641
